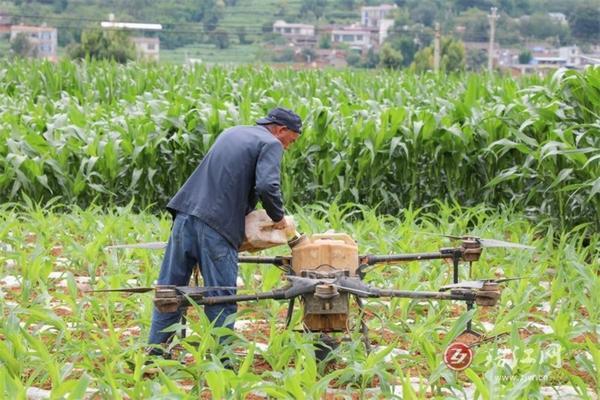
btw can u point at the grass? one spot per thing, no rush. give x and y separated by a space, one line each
209 54
56 337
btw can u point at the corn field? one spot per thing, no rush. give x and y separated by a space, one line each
59 341
98 133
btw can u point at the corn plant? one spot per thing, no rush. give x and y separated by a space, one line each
99 133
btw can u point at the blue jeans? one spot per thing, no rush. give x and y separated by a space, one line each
194 242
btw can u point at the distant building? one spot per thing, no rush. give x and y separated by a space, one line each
572 54
287 29
4 23
299 34
568 56
529 69
147 48
371 16
355 37
42 38
558 17
384 26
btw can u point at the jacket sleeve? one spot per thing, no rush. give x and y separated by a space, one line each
268 168
252 200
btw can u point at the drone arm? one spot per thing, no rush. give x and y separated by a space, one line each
278 260
373 259
282 262
462 295
274 294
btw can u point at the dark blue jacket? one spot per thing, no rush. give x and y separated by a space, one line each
242 166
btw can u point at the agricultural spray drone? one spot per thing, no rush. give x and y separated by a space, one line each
325 270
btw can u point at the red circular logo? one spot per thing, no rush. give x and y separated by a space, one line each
458 356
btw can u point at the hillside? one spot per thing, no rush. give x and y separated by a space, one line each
244 26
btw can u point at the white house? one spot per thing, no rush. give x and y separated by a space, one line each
42 39
354 36
371 16
147 48
287 29
384 26
572 54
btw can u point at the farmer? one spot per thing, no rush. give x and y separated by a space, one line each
241 167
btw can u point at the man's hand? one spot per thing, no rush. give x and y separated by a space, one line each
280 224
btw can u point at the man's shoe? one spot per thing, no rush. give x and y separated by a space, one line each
157 352
229 363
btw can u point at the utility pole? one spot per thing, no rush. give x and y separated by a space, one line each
436 48
492 18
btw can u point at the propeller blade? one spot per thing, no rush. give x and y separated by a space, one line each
463 285
123 290
149 246
453 237
491 243
478 284
509 279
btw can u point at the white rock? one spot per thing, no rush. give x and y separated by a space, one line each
5 247
62 261
545 307
488 326
34 393
563 392
394 353
56 275
544 328
10 282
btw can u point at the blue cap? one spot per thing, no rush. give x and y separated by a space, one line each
282 116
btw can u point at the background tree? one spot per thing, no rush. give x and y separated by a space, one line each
316 7
241 34
286 55
104 45
220 38
406 45
325 42
347 4
371 60
281 8
353 59
525 57
476 25
389 57
308 54
424 12
462 5
452 56
21 46
540 26
585 22
59 6
476 59
423 60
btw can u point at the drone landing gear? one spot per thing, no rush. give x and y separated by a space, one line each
325 345
363 324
